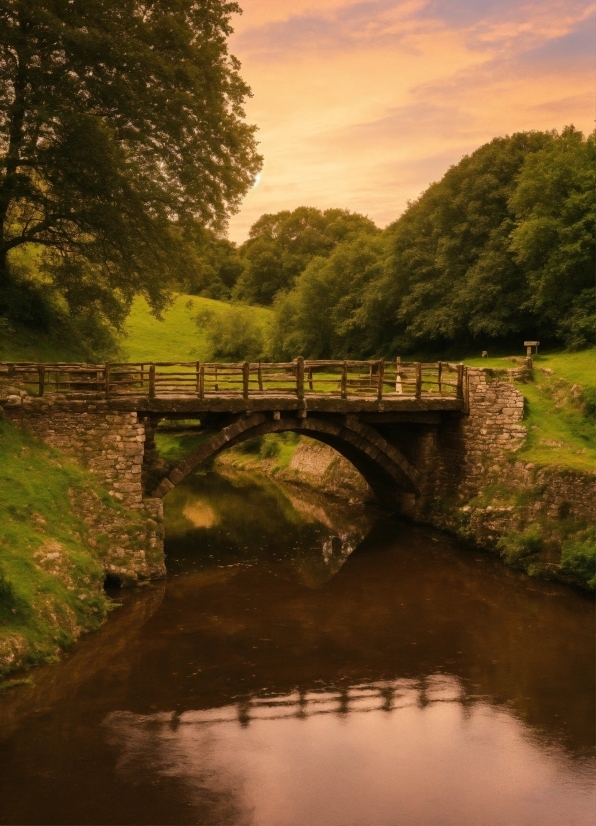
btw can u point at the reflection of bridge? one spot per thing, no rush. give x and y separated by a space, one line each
384 695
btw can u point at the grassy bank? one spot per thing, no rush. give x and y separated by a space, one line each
51 578
560 413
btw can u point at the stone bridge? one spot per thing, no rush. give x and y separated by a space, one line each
414 431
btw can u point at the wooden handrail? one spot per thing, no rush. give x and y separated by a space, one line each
372 378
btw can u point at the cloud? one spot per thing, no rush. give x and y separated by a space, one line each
373 22
362 104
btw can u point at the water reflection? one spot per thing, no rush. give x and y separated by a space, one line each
281 677
393 751
241 518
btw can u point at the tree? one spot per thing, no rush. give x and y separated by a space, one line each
501 247
216 267
321 316
553 239
453 276
281 245
121 129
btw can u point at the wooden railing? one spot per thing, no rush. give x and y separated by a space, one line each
301 378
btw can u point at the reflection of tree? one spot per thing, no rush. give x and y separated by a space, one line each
235 516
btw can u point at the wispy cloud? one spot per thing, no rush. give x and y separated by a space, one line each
363 104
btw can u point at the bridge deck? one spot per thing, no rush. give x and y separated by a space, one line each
325 386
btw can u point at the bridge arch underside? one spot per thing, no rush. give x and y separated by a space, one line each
383 466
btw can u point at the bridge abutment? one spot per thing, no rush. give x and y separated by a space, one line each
110 444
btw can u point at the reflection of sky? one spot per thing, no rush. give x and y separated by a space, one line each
363 104
386 753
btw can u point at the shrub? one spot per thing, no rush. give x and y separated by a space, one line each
578 557
589 402
270 446
250 445
516 547
234 333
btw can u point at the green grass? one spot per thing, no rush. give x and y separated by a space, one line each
51 582
177 337
560 432
579 368
175 446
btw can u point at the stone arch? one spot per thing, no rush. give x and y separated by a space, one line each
382 465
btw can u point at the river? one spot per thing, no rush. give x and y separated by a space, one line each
312 663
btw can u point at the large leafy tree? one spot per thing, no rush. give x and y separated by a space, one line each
280 246
553 239
121 130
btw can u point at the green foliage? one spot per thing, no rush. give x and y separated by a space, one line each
553 239
482 256
516 547
578 328
235 333
322 316
121 133
216 267
589 402
280 246
578 557
270 446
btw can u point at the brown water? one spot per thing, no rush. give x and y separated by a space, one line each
286 675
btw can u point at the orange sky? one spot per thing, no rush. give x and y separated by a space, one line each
362 104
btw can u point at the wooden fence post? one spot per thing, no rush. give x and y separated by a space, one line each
380 380
151 381
42 378
310 383
202 381
106 374
300 377
198 378
260 377
344 380
440 377
245 379
418 379
398 385
460 381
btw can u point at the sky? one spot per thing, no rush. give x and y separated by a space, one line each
362 104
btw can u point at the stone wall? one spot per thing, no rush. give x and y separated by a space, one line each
111 445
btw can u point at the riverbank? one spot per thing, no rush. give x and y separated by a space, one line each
61 535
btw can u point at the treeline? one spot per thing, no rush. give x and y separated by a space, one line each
501 249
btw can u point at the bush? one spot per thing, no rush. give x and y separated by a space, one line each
578 557
517 547
589 402
250 445
270 446
578 328
233 333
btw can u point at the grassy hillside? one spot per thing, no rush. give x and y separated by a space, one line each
559 415
145 338
51 582
177 337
